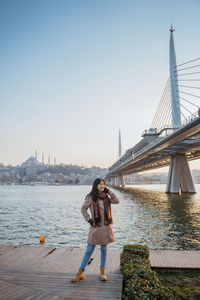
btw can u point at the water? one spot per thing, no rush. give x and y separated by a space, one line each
146 215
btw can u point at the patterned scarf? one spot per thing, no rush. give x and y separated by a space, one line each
107 210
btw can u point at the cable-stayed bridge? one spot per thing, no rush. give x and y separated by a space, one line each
173 138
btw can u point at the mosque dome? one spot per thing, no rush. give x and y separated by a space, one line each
30 162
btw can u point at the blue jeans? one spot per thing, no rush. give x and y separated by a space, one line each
88 253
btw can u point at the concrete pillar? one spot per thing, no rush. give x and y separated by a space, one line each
118 181
179 177
112 181
122 179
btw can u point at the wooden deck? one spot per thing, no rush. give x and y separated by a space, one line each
39 272
175 259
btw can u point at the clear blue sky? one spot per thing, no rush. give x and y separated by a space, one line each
72 73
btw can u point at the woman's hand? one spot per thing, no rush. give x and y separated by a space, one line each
90 221
106 190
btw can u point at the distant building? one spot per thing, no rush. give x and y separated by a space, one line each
30 166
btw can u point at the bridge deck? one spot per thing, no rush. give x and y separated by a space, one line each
38 272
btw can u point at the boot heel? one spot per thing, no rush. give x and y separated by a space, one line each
103 276
79 276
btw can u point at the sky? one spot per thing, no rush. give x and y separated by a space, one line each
72 73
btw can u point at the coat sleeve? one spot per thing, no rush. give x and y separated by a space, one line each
85 207
114 199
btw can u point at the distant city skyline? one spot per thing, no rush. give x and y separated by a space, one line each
75 72
193 164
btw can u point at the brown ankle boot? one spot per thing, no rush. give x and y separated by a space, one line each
103 276
79 276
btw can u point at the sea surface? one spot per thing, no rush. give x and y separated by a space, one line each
145 215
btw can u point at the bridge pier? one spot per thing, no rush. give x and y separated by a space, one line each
122 179
118 181
114 181
179 177
111 181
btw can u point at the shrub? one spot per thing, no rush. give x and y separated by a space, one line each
140 282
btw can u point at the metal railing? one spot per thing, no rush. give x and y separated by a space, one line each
191 118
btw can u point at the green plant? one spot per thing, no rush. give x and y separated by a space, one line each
140 282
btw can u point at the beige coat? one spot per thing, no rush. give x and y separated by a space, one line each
102 235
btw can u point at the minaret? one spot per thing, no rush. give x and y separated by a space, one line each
43 158
36 154
54 161
49 161
176 114
120 145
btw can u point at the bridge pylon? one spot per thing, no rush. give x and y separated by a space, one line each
176 112
179 177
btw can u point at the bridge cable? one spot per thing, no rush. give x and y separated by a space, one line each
163 109
183 116
186 108
191 87
187 62
189 102
163 115
189 94
162 121
158 115
167 120
168 105
159 109
187 74
188 80
187 68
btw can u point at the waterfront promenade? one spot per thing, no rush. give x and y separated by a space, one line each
39 272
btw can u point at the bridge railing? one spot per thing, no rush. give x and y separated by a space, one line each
168 132
191 118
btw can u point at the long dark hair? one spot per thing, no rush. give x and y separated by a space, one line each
94 192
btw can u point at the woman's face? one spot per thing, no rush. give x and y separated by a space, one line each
101 186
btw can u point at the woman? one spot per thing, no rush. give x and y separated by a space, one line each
99 201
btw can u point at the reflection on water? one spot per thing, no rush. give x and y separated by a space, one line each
146 215
165 221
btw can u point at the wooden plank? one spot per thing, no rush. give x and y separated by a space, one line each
67 260
9 291
60 284
6 248
31 272
24 256
31 294
60 260
175 259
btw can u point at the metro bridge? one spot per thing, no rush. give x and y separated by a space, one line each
173 138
